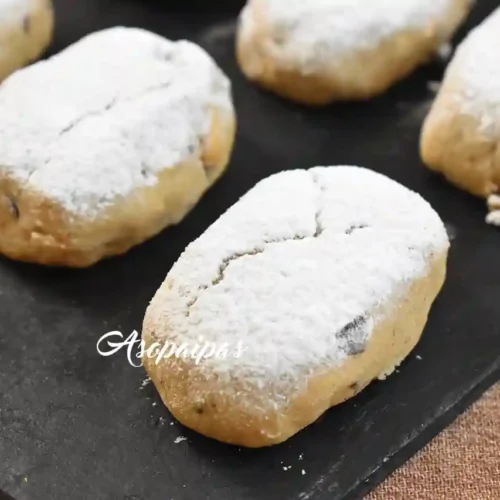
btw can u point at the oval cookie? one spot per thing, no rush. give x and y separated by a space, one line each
319 51
461 134
107 143
314 284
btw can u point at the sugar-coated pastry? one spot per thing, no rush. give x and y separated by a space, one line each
314 284
319 51
25 31
461 135
107 143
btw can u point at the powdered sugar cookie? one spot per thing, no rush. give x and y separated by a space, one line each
314 284
461 135
107 143
318 51
25 31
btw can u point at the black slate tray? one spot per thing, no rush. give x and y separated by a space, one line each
77 426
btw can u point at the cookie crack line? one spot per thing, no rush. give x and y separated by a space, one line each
317 218
265 244
114 102
229 260
256 251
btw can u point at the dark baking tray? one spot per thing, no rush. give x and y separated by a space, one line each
77 426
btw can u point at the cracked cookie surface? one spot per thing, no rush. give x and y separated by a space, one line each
302 271
108 142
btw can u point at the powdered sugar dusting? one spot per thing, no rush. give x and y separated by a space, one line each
106 116
477 67
315 32
302 301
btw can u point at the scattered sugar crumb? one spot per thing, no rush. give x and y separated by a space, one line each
301 456
287 468
220 33
180 439
493 218
445 51
433 86
451 230
145 382
303 472
386 459
155 404
494 202
172 423
419 357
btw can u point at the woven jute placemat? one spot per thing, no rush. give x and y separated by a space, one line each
462 463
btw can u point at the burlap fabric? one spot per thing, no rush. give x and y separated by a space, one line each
462 463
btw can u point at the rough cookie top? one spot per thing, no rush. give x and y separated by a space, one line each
477 66
298 271
314 32
106 116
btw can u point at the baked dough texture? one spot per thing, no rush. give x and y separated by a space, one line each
107 143
319 51
461 134
314 284
26 28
